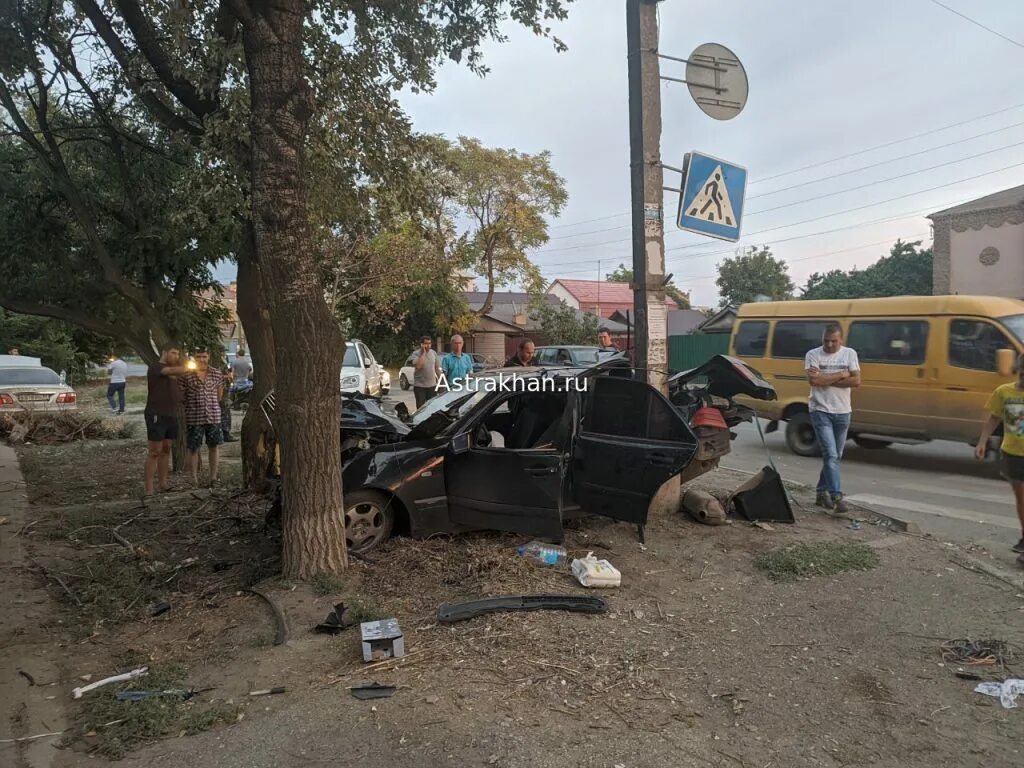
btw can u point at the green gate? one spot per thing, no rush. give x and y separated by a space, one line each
689 351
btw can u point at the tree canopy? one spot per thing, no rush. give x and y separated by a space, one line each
751 274
906 271
624 274
565 325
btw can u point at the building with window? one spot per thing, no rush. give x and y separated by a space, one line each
598 297
979 246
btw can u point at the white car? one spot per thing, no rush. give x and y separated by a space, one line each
360 371
26 385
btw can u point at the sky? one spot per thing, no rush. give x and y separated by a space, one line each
828 79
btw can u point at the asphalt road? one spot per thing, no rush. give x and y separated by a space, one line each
939 485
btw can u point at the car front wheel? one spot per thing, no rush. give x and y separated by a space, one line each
403 382
800 435
369 519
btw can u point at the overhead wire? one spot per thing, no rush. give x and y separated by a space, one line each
977 23
847 156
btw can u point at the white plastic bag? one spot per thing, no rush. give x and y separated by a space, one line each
591 572
1006 691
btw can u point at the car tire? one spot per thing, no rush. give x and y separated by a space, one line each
871 444
385 390
800 437
402 381
369 520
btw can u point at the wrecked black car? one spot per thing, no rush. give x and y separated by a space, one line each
523 449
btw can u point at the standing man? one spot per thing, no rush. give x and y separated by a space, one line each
832 370
204 389
162 400
456 366
241 366
225 404
524 357
425 373
604 341
118 381
1006 405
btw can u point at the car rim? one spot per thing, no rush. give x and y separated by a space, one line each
805 434
365 526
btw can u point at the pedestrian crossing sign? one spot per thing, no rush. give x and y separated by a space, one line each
711 199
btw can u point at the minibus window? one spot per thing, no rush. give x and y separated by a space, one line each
974 343
903 342
752 338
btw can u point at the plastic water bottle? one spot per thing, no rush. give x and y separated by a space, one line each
546 554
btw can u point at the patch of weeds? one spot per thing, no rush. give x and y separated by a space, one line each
126 430
113 728
364 610
324 584
825 558
110 585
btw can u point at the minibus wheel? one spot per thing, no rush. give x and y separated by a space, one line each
800 435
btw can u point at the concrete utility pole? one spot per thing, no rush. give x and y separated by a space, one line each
646 181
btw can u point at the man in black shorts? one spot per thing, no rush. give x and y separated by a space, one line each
162 401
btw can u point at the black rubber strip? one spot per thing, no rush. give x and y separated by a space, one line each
451 612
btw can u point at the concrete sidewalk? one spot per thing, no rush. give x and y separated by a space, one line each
31 700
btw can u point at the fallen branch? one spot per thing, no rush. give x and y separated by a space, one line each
31 738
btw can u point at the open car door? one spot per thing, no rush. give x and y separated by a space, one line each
630 441
504 489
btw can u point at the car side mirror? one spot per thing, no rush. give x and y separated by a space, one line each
367 363
460 443
1005 360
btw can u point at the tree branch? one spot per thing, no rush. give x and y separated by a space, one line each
160 110
148 41
68 315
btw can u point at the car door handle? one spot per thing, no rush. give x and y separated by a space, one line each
958 389
540 471
660 459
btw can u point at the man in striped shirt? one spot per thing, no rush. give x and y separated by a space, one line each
204 390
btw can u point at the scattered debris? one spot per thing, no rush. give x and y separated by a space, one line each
159 607
1006 691
133 675
56 427
763 497
977 653
27 676
591 572
382 640
31 738
269 691
451 612
545 554
336 621
281 624
179 693
703 507
366 691
854 526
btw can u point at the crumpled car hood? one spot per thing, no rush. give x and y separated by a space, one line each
360 412
727 377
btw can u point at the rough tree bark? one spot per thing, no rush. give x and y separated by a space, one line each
310 351
258 441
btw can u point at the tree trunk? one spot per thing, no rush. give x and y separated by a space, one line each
258 441
309 351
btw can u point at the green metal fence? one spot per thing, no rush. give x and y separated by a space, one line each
689 351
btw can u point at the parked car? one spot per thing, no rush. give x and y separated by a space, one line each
385 380
928 363
406 372
360 371
27 385
564 354
562 443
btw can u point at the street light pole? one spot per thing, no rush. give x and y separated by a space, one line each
647 195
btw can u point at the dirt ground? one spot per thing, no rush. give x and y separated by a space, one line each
700 660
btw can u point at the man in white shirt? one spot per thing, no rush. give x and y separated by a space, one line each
832 371
118 381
